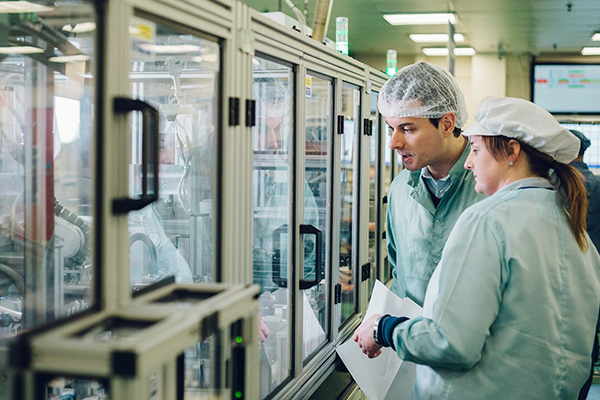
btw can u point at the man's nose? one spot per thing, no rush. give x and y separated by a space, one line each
397 140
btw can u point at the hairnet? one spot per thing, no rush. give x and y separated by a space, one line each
585 141
422 90
521 119
272 97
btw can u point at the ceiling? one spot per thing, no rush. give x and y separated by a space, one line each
538 27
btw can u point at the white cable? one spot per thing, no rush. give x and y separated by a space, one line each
298 14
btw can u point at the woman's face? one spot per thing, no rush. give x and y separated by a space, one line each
490 174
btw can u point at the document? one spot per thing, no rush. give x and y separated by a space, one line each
386 373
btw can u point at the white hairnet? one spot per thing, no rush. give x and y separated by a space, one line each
531 124
272 97
422 90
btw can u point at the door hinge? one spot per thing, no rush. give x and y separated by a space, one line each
340 124
234 111
250 113
365 272
338 294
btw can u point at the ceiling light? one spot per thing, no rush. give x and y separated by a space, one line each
65 59
12 7
590 51
596 37
20 50
80 28
442 51
169 49
435 37
420 19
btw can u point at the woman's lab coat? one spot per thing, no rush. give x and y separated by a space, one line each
511 310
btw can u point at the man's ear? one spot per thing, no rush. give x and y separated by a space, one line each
448 122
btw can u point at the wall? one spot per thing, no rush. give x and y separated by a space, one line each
485 76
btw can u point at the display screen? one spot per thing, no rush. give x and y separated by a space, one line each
567 88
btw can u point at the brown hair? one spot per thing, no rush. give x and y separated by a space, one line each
573 193
436 122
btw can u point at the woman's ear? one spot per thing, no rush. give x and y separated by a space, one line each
448 122
514 150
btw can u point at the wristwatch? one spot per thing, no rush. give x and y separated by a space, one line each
376 329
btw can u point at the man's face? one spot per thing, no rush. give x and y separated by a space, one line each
417 141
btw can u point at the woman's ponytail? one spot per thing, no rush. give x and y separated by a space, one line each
574 198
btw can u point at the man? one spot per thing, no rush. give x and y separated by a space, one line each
592 185
425 110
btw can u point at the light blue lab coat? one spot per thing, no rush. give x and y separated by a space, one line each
511 310
416 230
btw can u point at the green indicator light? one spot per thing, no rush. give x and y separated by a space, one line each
239 339
238 395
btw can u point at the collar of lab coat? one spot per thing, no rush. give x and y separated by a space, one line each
456 172
525 183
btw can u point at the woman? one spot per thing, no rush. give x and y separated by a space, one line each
511 310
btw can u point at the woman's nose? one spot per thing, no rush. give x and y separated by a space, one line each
468 162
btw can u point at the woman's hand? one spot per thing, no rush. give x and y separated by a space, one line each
364 337
263 330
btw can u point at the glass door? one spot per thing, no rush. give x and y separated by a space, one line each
177 72
348 186
47 86
317 192
272 138
374 171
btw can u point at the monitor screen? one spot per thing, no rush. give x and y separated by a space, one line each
567 88
592 131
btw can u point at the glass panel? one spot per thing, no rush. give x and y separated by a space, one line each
351 112
387 180
68 387
46 177
178 73
272 141
319 111
199 378
389 156
373 197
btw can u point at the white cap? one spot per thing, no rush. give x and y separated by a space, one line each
521 119
422 90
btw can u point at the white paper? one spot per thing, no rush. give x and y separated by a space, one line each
375 376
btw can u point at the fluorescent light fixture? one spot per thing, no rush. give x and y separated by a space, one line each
169 49
65 59
443 51
435 37
421 19
80 28
590 51
20 50
13 7
596 37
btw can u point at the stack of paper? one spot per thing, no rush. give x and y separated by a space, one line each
386 376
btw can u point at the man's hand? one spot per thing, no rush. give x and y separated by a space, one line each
364 337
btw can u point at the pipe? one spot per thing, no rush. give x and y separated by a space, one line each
321 19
